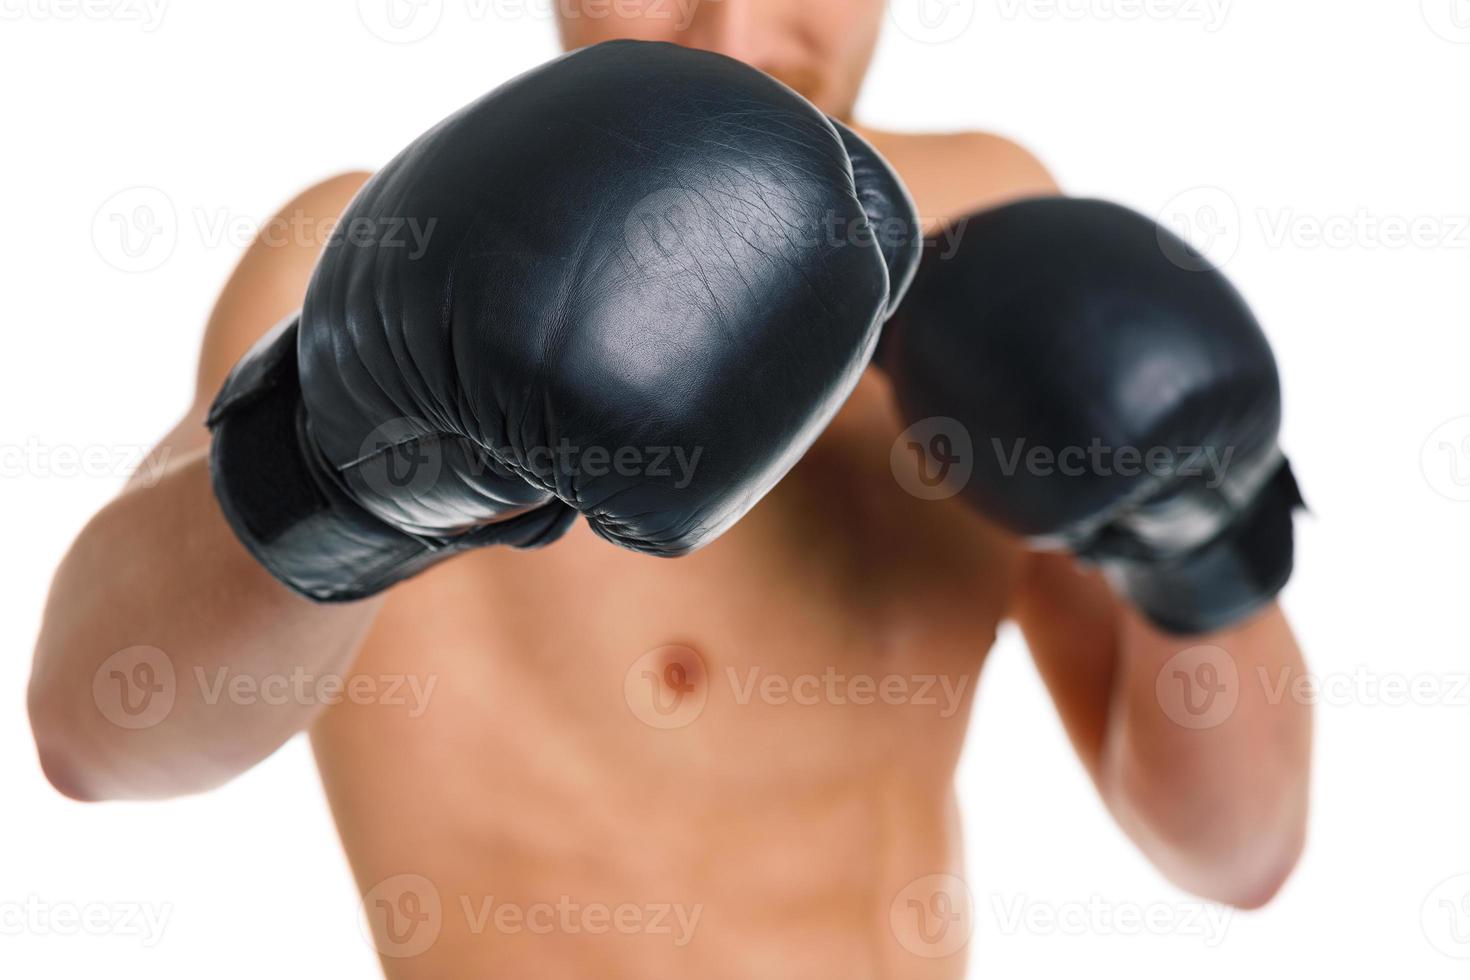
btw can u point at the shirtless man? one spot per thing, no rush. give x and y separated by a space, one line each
599 752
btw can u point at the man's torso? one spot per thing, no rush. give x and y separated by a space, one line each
731 764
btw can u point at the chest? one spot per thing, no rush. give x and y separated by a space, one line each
839 560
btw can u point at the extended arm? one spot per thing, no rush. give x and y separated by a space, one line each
523 283
159 567
1120 404
1195 743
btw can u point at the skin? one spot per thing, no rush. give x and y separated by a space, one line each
768 834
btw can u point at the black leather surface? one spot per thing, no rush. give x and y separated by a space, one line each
637 249
1064 325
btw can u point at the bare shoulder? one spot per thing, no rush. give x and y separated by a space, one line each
267 284
951 174
270 279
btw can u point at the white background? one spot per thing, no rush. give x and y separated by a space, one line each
1318 130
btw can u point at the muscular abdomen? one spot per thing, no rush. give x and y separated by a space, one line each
726 765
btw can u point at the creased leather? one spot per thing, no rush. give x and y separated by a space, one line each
1062 325
626 250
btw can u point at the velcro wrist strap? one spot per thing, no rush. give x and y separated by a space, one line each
1225 580
298 521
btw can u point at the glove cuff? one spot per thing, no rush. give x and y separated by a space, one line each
290 512
1226 580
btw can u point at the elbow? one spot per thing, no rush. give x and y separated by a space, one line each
66 776
1252 876
80 760
1236 851
1260 893
69 766
90 759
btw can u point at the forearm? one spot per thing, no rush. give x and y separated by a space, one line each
1195 743
160 568
1124 409
1205 759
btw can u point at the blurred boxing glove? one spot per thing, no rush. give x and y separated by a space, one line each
642 279
1121 400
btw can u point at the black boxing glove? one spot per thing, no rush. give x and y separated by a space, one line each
621 298
1121 400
